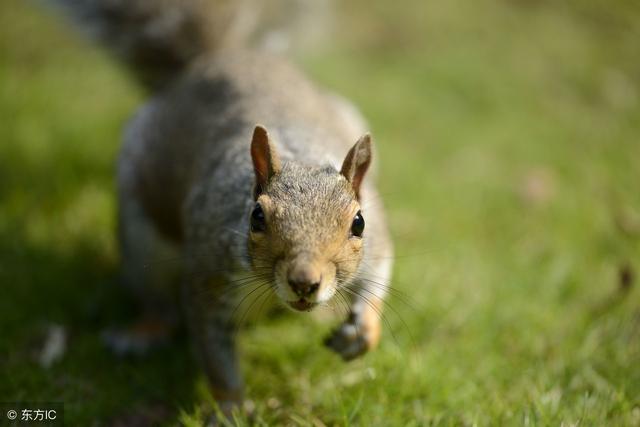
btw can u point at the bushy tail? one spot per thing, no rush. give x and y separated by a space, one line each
157 39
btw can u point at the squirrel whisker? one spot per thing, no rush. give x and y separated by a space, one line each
387 304
382 316
269 288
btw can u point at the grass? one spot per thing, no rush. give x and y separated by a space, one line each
509 139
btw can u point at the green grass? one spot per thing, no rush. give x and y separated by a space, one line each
509 140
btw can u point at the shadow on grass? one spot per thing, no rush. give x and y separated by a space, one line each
80 293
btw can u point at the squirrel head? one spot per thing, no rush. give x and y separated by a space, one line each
306 227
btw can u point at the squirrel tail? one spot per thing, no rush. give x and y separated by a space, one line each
158 39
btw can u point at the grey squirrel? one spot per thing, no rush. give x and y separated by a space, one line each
245 170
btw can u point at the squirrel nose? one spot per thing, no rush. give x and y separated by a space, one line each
304 289
304 281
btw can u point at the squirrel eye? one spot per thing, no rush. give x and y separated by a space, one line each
258 223
357 226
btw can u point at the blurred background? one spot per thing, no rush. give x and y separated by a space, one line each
508 136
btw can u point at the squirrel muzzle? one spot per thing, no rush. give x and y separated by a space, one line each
304 277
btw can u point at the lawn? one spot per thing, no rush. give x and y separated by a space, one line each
508 135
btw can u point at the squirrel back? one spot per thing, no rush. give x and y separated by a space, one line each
209 93
206 117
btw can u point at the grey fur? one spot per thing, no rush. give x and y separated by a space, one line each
185 181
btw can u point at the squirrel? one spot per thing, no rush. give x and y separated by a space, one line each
239 165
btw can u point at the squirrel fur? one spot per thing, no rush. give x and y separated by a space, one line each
238 163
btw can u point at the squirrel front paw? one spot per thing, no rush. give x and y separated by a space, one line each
354 337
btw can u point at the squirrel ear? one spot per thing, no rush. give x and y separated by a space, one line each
357 162
266 162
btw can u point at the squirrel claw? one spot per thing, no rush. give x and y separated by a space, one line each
349 340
